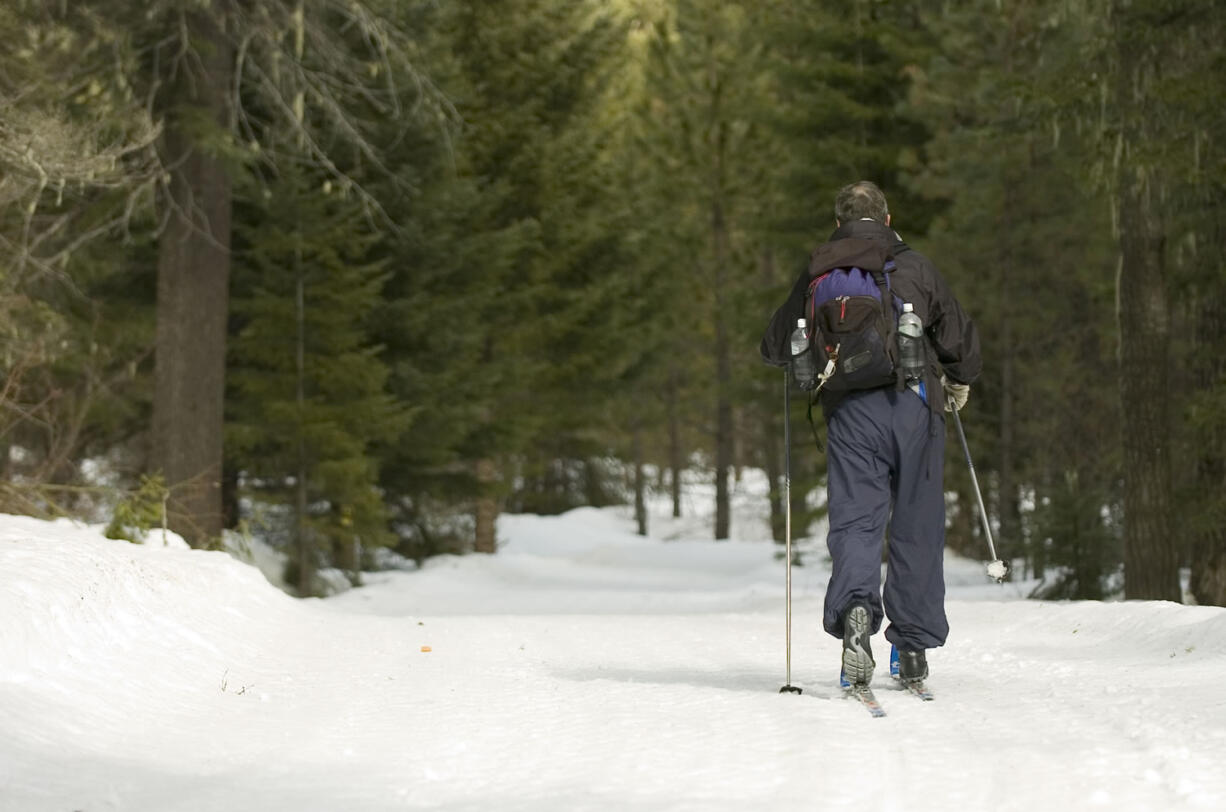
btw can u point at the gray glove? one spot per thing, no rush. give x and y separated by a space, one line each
955 394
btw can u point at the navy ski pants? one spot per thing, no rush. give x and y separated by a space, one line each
885 466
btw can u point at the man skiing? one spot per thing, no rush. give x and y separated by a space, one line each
886 449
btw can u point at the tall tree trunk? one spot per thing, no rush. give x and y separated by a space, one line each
230 510
772 453
1208 536
302 532
1151 557
723 433
1007 507
304 541
193 282
595 491
676 454
640 483
487 507
723 383
721 255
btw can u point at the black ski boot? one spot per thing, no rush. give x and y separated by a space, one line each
912 665
857 655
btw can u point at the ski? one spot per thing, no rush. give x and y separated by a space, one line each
919 690
867 698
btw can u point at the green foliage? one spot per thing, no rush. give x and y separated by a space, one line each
702 168
1079 537
77 163
308 405
534 231
1025 242
842 72
503 307
140 511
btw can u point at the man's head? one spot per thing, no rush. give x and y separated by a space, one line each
860 200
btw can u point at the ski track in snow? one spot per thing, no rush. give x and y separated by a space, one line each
582 668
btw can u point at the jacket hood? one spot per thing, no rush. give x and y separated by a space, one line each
878 233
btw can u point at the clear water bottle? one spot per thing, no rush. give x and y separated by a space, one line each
911 344
804 370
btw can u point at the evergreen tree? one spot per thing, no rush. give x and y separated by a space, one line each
708 156
506 257
1157 127
842 73
194 101
218 78
1189 153
1025 245
308 404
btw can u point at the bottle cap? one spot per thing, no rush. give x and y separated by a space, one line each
907 307
801 322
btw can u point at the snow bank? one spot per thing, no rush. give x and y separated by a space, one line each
582 668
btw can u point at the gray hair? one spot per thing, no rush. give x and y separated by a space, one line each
861 199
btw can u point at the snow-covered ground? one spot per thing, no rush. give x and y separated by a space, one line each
582 668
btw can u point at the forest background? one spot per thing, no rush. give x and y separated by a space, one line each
354 274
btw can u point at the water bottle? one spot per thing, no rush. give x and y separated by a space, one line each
911 344
804 371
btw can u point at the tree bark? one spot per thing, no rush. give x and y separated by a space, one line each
721 256
772 448
193 282
1151 557
1007 503
487 507
1208 536
303 540
676 454
640 484
1208 583
1008 506
772 453
723 383
723 434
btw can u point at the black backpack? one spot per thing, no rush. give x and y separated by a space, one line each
853 316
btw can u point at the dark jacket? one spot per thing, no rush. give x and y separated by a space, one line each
953 344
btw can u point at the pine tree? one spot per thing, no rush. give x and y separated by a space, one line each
842 76
504 260
1024 218
1157 123
708 155
308 402
1186 150
180 62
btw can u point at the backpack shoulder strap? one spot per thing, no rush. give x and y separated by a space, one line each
882 278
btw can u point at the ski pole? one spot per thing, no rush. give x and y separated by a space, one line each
997 569
788 687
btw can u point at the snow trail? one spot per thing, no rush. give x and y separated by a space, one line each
582 668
